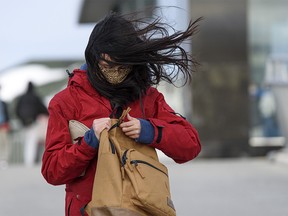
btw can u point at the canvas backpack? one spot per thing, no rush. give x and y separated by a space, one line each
129 178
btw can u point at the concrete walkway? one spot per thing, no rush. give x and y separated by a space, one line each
238 187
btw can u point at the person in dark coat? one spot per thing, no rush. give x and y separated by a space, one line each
32 113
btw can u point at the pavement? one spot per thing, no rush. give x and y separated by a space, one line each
202 187
280 156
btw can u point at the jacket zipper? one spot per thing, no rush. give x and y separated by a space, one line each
135 162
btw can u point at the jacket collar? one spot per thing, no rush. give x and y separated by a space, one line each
79 78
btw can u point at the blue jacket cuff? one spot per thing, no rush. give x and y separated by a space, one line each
91 139
147 132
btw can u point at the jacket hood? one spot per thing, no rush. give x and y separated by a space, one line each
79 79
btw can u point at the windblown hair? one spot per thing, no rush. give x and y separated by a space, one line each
154 54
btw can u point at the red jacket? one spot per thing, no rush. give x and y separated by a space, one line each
63 161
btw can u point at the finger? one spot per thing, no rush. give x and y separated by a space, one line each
132 133
101 119
100 125
134 136
127 124
108 125
128 129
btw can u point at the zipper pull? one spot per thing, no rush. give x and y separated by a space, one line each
123 162
122 172
138 168
124 158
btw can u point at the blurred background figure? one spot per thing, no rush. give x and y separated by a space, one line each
267 107
4 130
33 115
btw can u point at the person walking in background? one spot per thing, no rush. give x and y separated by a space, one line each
4 139
33 114
122 64
267 108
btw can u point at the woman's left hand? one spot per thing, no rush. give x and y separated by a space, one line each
132 127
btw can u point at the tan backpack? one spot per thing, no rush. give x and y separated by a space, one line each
129 178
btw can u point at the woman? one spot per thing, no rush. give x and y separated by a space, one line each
123 62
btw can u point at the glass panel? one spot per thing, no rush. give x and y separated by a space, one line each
268 58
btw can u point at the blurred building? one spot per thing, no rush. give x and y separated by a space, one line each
233 95
243 49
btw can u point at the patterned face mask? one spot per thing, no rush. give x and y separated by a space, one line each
115 75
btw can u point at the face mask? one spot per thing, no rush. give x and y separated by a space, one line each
115 75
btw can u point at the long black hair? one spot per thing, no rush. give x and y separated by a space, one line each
147 46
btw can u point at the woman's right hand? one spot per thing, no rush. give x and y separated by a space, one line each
100 124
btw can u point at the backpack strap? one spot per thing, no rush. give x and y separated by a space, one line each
124 114
121 119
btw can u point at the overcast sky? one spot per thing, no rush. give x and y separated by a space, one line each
35 30
48 29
